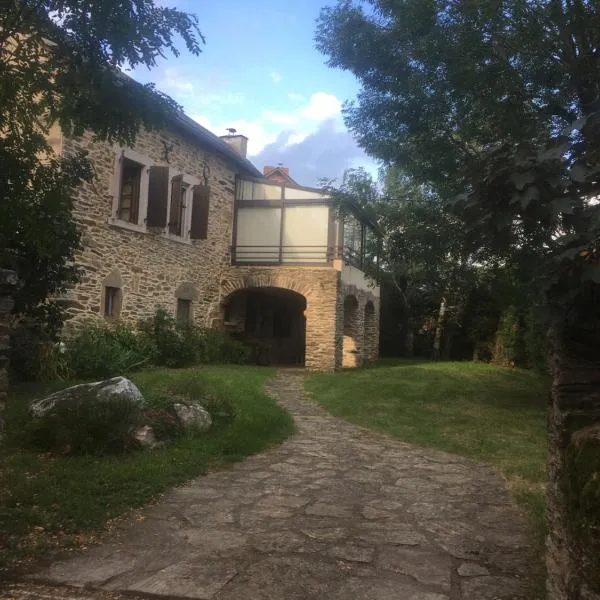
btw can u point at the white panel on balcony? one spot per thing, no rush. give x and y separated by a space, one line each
258 231
305 230
252 190
295 194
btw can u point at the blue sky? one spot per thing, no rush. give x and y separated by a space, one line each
260 73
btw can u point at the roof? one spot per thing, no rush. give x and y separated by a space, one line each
281 172
214 142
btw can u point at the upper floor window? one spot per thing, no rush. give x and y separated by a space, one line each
159 198
129 197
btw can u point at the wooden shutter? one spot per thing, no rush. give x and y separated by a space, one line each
201 200
175 223
158 195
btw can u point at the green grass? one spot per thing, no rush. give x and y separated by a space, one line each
49 502
480 411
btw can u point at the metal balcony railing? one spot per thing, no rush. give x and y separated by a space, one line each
282 254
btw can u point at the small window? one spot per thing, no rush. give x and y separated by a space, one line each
111 301
178 206
129 197
184 311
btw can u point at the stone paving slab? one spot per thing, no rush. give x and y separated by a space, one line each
336 512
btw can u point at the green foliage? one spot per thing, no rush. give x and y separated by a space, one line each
172 346
507 346
535 340
99 351
81 425
61 62
179 346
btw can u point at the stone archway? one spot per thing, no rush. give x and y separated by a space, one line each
369 343
351 340
319 288
270 320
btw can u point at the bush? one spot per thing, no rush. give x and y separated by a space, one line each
98 351
83 426
508 347
179 346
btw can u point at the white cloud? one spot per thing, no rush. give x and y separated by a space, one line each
276 77
310 138
322 106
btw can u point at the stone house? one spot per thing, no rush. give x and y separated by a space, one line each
184 220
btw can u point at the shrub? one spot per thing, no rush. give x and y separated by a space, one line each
98 351
218 347
178 346
508 347
536 340
82 425
172 346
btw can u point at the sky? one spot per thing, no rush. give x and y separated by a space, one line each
260 73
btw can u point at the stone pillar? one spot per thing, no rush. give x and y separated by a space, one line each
8 287
573 545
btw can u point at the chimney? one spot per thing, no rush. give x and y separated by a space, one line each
238 142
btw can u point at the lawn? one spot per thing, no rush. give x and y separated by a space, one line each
49 502
484 412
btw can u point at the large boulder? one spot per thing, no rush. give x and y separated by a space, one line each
193 416
115 389
93 418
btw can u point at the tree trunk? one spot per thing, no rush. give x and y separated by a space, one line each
439 328
573 492
409 341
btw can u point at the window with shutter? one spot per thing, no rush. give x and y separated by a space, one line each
176 212
200 209
158 197
129 194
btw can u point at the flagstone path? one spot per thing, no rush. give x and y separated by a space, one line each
335 512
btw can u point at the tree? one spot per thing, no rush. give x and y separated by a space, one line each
61 62
496 106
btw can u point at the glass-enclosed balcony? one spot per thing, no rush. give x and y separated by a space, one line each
281 224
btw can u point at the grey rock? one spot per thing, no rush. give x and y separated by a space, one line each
493 588
472 570
146 438
193 416
117 388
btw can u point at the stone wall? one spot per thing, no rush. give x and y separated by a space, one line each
150 266
319 285
359 315
573 492
8 286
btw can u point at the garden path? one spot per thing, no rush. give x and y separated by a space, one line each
335 512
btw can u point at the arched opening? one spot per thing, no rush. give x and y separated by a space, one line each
370 333
270 320
351 347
